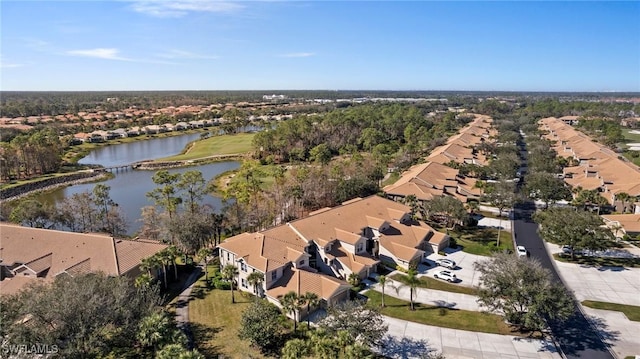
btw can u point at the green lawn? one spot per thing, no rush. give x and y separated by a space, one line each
215 323
216 145
599 262
442 317
629 155
631 311
436 284
631 137
482 241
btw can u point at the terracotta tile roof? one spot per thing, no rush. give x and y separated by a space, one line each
605 169
630 222
67 251
429 180
302 281
130 253
356 263
268 250
41 264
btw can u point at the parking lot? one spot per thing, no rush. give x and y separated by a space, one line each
465 271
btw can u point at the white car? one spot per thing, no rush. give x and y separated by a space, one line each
447 263
446 275
522 251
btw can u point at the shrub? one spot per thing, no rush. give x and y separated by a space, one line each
221 284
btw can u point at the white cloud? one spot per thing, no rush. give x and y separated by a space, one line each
8 65
180 54
100 53
178 8
298 54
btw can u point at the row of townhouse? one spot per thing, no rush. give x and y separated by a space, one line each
30 255
598 167
318 253
434 178
102 136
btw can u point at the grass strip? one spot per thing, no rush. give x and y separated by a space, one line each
599 261
436 284
213 146
442 317
631 311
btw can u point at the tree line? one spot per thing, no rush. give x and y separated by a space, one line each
31 154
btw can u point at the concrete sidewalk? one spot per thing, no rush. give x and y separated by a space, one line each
429 296
412 340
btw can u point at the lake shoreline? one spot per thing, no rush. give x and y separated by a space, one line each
9 195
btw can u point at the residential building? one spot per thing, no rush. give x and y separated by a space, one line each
33 254
318 253
599 168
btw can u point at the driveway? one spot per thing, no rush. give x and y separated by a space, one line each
465 271
412 340
605 284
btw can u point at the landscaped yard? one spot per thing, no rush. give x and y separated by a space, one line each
441 317
216 145
215 323
631 311
431 283
482 241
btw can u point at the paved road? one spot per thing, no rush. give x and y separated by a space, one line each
577 337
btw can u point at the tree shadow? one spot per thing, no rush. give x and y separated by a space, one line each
203 337
393 347
583 332
444 304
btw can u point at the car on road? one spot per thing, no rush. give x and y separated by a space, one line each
522 251
447 263
446 275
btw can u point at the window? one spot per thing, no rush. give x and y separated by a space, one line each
244 282
228 256
302 262
274 275
243 266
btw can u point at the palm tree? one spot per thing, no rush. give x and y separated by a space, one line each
204 254
623 197
229 273
413 282
383 282
164 258
146 265
312 300
291 303
354 279
175 253
142 281
255 279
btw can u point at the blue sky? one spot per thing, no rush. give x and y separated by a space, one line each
341 45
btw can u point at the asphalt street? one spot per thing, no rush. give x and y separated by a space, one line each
576 337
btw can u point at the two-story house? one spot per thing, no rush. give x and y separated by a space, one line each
319 252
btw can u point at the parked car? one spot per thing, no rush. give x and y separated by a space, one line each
522 251
567 249
446 275
447 263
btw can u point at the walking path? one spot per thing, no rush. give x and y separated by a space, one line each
182 305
